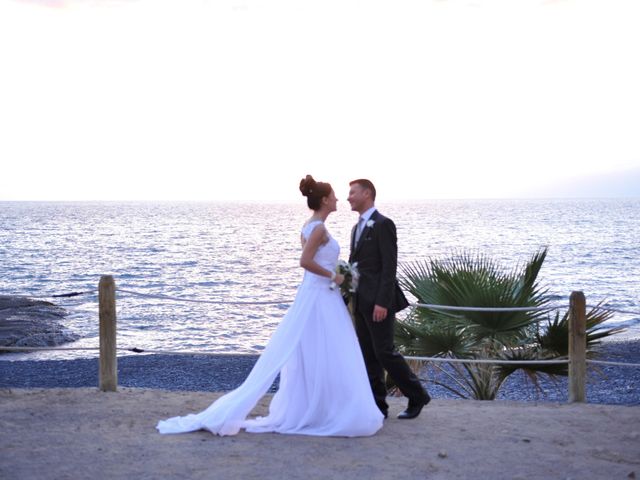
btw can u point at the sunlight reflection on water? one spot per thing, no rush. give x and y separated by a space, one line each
249 252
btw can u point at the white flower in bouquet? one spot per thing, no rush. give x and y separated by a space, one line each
351 276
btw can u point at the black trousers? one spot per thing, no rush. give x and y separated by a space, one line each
380 354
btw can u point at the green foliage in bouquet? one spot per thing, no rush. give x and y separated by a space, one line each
351 276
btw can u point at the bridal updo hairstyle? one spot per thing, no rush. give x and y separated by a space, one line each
314 191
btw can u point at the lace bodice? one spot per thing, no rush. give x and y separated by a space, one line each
327 254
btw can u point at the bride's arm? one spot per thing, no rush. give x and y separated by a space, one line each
309 250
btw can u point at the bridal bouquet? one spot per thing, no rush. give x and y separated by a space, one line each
351 276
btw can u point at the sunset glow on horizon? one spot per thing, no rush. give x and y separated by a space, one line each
238 99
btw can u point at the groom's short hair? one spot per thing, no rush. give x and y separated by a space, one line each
367 185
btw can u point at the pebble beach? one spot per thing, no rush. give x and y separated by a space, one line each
612 385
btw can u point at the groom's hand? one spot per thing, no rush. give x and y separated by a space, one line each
379 313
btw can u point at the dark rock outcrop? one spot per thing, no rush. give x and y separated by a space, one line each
25 322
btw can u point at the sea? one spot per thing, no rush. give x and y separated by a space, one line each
218 277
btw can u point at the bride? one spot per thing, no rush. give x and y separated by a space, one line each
324 389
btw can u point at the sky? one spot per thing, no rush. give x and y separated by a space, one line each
240 99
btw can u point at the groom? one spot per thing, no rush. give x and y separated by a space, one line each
374 246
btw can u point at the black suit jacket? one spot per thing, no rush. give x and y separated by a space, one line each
377 255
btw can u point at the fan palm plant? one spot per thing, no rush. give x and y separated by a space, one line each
468 280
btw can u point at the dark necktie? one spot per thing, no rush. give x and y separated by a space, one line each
359 229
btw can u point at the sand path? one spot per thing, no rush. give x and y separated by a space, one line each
83 433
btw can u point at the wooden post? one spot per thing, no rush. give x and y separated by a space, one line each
108 376
577 347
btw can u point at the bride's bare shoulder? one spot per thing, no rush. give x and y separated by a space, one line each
312 228
314 222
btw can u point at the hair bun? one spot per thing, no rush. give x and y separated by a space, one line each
307 185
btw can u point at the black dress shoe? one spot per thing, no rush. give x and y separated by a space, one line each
413 409
384 408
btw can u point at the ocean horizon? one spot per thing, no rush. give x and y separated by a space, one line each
248 252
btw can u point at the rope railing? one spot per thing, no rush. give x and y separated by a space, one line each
614 364
407 357
515 309
517 362
122 349
288 302
577 360
488 361
215 302
419 305
43 349
486 309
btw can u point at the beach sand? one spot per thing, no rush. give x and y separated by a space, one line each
84 433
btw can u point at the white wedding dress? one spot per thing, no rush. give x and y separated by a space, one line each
324 389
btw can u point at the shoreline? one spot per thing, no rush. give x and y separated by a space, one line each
607 385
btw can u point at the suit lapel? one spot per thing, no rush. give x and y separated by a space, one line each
353 239
365 230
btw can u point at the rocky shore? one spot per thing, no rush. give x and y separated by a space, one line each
25 322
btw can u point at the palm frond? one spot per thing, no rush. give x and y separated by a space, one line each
474 280
555 337
469 280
